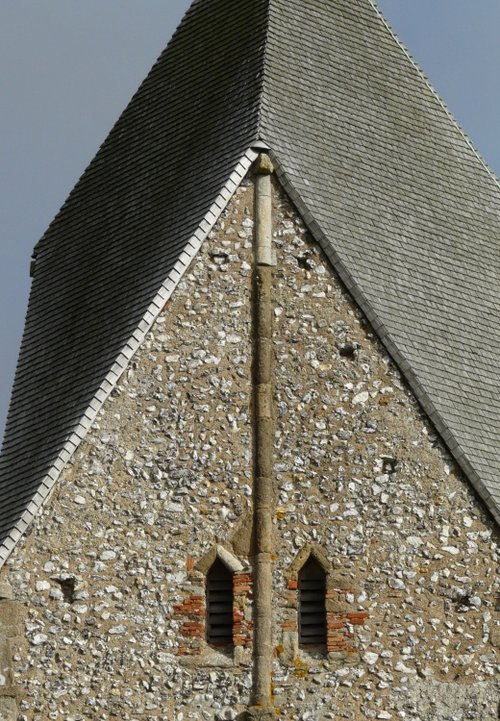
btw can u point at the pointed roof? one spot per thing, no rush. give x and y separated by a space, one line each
402 205
384 178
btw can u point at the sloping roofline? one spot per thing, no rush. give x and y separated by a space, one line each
242 106
164 294
387 341
128 351
404 206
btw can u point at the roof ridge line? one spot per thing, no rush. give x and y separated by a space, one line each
435 93
128 351
383 335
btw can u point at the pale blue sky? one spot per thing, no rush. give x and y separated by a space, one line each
69 67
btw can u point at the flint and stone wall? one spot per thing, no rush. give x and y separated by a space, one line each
361 476
111 577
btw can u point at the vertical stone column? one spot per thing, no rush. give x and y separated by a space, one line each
264 441
9 629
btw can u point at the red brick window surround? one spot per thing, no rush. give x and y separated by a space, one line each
316 613
215 616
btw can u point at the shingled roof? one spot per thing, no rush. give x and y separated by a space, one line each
386 181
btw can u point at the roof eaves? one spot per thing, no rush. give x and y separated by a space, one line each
128 351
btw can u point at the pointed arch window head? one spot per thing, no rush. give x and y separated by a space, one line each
312 603
220 598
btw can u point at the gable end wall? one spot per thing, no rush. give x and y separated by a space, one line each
112 573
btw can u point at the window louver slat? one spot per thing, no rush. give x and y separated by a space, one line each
219 605
312 608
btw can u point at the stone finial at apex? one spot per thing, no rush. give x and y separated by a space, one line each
263 165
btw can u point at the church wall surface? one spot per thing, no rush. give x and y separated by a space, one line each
111 577
362 477
114 603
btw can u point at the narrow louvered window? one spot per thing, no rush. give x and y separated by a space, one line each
219 605
312 608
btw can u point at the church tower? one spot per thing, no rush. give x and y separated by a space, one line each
251 467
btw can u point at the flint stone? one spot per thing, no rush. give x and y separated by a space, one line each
117 630
453 550
39 639
360 398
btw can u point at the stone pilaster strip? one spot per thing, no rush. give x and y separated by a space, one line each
264 438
